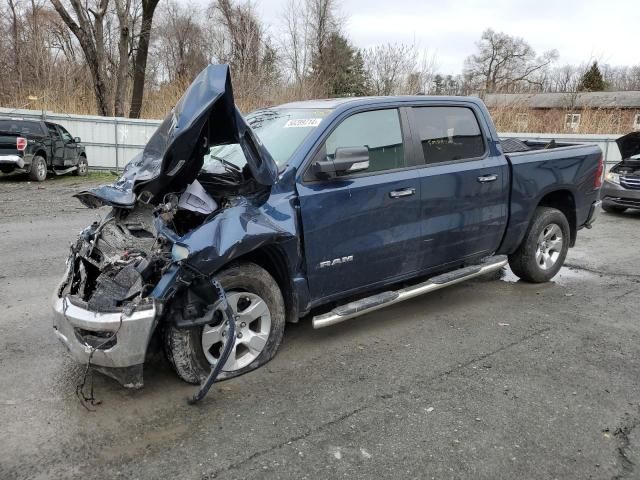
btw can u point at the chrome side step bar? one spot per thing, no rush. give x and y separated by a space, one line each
385 299
66 170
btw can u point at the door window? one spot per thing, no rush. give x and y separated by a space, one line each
53 131
66 136
379 131
448 133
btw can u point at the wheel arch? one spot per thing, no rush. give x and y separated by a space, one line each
563 200
273 258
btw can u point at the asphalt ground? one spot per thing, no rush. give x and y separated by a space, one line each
494 378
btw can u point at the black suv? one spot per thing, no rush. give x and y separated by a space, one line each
37 147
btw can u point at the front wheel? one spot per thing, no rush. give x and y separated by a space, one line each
256 300
83 167
544 247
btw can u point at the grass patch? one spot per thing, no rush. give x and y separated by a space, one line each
94 176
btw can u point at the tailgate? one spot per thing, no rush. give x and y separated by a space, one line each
8 143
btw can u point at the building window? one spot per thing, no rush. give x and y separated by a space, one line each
572 121
636 122
522 121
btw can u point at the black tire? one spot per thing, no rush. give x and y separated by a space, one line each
524 261
183 347
38 169
83 167
607 207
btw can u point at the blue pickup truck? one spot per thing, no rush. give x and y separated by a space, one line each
226 227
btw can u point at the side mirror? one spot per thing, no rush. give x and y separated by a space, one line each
77 139
346 160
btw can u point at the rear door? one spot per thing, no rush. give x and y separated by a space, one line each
363 228
57 144
464 186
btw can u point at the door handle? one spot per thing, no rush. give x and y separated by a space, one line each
405 192
487 178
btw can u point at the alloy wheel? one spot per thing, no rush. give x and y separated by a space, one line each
253 326
549 246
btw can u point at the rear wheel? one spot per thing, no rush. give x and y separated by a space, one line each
544 247
38 170
256 300
607 207
83 167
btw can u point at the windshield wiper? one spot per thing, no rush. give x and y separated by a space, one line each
227 163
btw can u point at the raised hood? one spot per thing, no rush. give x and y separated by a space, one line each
205 116
629 145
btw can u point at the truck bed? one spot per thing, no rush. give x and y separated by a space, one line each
517 145
567 169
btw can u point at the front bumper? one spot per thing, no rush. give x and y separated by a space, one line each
12 160
614 194
77 328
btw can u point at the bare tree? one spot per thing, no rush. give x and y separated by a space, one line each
16 40
505 63
141 56
90 35
389 68
239 39
310 27
295 45
123 8
180 49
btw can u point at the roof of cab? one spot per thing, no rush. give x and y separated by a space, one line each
332 103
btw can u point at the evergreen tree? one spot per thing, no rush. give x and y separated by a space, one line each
341 69
592 80
438 84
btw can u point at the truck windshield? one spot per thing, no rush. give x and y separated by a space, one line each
280 130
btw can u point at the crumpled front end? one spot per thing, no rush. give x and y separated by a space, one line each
103 311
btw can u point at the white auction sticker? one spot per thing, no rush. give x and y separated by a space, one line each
302 122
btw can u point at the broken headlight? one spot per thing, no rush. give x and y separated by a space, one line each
179 252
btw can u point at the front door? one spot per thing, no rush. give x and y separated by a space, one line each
464 187
362 229
70 147
57 145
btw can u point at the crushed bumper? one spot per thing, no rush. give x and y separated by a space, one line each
81 331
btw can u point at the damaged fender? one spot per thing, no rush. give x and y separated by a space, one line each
234 232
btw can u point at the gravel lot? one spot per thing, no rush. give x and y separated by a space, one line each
489 379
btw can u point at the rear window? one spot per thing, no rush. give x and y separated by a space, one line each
448 133
20 126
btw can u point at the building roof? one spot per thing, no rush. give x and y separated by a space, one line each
629 99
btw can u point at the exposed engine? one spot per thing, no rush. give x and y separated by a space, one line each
118 260
627 168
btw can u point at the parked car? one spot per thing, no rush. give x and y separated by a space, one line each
334 208
621 189
37 147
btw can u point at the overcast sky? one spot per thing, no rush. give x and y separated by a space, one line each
579 30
